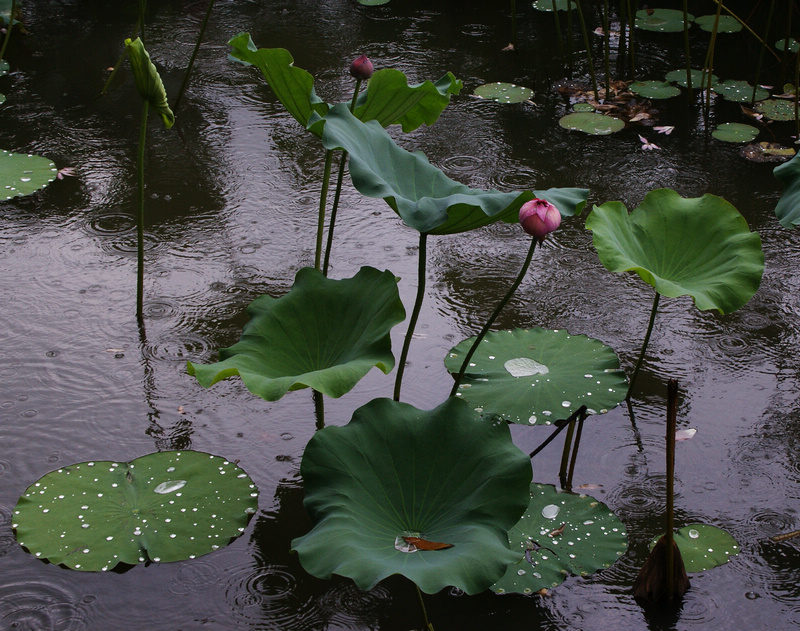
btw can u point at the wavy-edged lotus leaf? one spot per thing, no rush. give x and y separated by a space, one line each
699 78
698 246
3 67
776 109
24 173
443 475
560 534
703 547
788 209
504 92
547 5
166 506
794 45
654 89
536 376
591 123
324 334
148 81
583 107
738 91
726 24
735 132
661 20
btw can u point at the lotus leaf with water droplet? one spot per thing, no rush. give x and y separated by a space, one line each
654 89
703 547
536 376
24 173
661 20
699 78
591 123
735 132
725 23
738 91
560 534
444 475
794 45
167 506
776 109
504 92
3 67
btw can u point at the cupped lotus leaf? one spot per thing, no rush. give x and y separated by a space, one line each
661 20
738 91
24 173
699 78
793 46
166 506
788 209
504 92
537 376
591 123
324 334
726 24
700 247
547 5
560 534
443 475
703 547
654 89
148 81
3 67
735 132
583 107
776 109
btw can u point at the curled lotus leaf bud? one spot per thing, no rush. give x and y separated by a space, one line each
361 68
539 218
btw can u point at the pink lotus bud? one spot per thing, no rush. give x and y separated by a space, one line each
539 218
361 68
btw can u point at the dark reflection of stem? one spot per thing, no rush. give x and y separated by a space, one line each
557 24
636 435
672 414
562 469
185 81
401 365
140 215
560 425
574 457
9 29
644 345
319 409
149 383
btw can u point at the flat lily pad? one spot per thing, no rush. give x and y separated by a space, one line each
166 506
504 92
561 534
443 475
699 78
547 5
703 547
726 24
583 107
324 334
661 20
591 123
738 91
536 376
24 173
735 132
776 109
654 89
794 45
3 67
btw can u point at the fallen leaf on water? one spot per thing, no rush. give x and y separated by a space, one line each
590 487
685 434
508 48
665 129
646 144
640 116
751 113
424 544
66 172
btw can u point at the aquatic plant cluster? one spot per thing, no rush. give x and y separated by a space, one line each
443 497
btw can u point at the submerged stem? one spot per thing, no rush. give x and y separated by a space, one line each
672 413
401 365
140 213
644 345
323 197
194 56
428 625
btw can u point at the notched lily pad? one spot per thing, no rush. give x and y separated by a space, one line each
654 89
735 132
504 92
661 20
703 547
738 91
167 506
776 109
591 123
726 24
24 173
699 78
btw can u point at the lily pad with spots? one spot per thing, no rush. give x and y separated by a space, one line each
395 472
561 534
24 173
504 92
591 123
583 107
3 67
547 5
726 23
703 547
793 44
738 91
536 376
699 78
735 132
776 109
654 89
661 20
167 506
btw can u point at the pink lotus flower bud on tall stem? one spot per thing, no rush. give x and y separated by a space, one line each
361 68
539 218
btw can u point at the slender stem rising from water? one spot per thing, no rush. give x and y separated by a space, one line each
401 365
644 344
140 214
323 197
185 81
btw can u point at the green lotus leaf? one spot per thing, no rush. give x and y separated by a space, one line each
788 209
2 98
443 475
373 3
591 123
738 91
654 89
591 538
504 92
24 173
735 132
703 547
3 67
547 5
700 247
776 109
661 20
699 78
166 506
583 107
726 24
324 334
148 81
794 45
536 376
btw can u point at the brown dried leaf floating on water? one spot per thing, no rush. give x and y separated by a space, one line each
424 544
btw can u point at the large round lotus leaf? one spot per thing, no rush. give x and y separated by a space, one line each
547 5
504 92
794 45
661 20
699 78
726 24
324 334
703 547
536 376
735 132
166 506
788 209
560 534
738 91
777 109
444 476
591 123
24 173
654 89
700 247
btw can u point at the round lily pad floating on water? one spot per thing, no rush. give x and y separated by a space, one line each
703 547
429 494
24 173
583 107
738 91
560 534
591 123
167 506
699 78
655 89
536 376
776 109
504 92
547 5
726 24
661 20
794 45
735 132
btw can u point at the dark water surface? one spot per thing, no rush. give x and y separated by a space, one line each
231 205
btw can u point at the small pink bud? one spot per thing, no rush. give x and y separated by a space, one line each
539 218
361 68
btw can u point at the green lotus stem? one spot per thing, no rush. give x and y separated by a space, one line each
140 213
401 365
562 469
493 317
708 66
687 51
672 413
606 48
10 28
428 625
575 447
764 47
140 25
139 29
586 43
558 30
631 47
644 344
744 24
323 197
185 81
784 57
319 409
560 425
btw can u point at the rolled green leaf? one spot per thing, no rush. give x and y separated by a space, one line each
148 81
